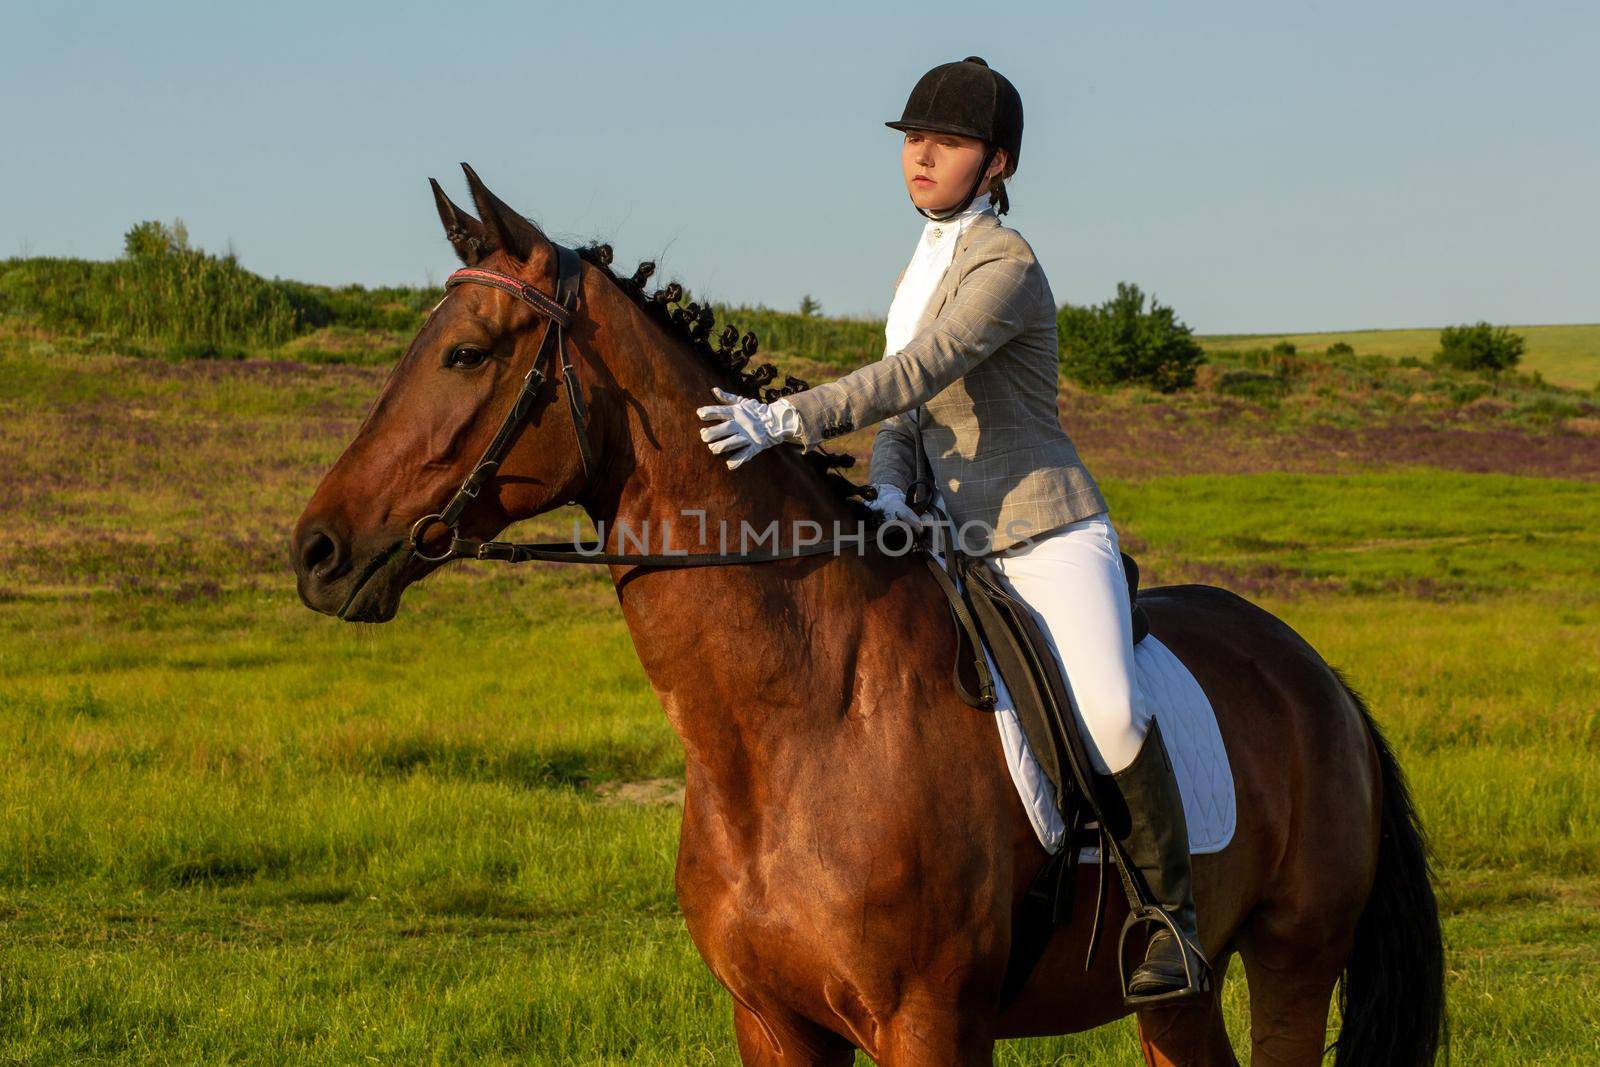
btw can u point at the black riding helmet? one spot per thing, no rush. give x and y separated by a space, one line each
969 99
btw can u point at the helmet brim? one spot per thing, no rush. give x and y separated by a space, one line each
937 127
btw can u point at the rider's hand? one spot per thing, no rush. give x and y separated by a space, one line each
744 426
890 502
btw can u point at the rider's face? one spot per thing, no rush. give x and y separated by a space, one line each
939 167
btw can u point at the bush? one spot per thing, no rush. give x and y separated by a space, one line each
1479 347
1341 348
1120 342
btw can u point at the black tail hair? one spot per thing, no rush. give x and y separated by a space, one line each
1392 993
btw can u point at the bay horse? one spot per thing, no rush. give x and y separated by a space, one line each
852 849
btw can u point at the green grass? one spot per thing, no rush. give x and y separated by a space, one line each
1567 355
232 830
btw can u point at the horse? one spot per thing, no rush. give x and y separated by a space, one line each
852 852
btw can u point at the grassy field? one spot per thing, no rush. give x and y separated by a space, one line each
1564 355
231 830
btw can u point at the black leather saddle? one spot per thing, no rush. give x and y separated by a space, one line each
987 615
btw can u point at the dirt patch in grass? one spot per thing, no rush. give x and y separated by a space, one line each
647 792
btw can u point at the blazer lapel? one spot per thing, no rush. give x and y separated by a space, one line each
947 283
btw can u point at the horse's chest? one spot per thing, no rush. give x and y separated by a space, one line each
793 918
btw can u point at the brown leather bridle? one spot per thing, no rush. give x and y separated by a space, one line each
558 314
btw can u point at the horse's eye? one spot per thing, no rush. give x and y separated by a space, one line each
465 356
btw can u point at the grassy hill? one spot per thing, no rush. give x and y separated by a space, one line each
1563 355
168 300
185 303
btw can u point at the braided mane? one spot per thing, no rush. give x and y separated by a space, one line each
671 308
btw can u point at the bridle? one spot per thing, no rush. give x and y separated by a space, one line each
558 314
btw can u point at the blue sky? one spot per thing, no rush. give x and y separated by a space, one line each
1258 166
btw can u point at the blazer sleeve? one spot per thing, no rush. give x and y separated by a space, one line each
894 453
988 307
893 448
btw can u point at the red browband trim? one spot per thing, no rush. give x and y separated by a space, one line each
545 305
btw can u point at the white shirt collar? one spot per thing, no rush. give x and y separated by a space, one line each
936 232
935 251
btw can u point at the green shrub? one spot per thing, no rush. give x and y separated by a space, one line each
1479 347
1341 348
1120 342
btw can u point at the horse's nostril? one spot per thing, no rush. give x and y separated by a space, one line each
321 555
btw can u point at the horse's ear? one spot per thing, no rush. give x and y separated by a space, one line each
466 234
507 229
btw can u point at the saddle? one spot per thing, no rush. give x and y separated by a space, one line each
987 615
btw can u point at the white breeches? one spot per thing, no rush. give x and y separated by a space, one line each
1072 579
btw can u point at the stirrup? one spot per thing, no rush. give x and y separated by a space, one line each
1196 969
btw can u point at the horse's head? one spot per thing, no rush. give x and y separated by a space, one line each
438 411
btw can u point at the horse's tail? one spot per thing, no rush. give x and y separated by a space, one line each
1392 993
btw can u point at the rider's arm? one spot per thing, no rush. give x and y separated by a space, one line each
991 302
894 452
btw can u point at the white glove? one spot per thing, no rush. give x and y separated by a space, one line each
745 426
891 504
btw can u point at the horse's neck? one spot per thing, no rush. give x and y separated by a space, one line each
730 650
658 470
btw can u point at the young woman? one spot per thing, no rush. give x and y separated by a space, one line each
970 364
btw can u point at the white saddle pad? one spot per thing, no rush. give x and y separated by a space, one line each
1188 727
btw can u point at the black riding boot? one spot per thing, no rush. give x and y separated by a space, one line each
1155 836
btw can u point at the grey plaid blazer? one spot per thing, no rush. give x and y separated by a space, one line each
979 381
